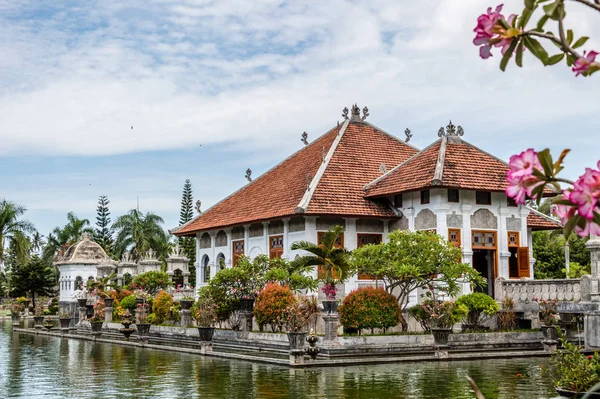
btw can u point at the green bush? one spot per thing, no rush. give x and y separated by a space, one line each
480 306
162 306
152 319
151 282
418 313
371 308
129 303
271 304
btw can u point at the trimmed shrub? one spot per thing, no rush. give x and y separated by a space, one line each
270 306
480 306
151 282
371 308
162 306
129 303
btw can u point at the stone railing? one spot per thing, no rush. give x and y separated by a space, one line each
182 292
524 291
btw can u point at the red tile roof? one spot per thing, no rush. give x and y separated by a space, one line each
355 161
464 166
538 221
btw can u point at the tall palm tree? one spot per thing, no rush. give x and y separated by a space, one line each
62 238
11 224
37 241
138 232
329 255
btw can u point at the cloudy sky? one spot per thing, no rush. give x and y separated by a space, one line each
129 98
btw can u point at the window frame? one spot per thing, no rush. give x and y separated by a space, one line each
423 194
489 193
457 195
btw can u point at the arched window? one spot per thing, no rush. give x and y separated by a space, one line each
78 283
127 279
221 261
205 269
177 278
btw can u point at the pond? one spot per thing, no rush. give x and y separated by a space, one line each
50 367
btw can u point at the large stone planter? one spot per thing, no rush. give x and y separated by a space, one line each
247 305
206 333
64 323
16 319
550 333
96 326
82 302
38 320
186 304
143 329
48 324
296 340
441 335
571 394
330 306
108 302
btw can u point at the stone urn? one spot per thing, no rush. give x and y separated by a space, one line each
296 340
108 302
82 302
96 326
186 304
48 324
16 319
441 335
143 329
312 349
247 305
550 333
38 320
65 322
330 306
127 321
206 333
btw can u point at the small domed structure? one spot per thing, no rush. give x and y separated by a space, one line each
84 260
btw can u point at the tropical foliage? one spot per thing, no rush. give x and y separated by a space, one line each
271 305
32 279
152 282
574 370
413 260
12 226
481 308
186 214
103 231
369 308
137 233
62 238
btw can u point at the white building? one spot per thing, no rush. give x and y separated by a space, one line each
370 182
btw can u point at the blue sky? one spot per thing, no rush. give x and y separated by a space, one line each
244 80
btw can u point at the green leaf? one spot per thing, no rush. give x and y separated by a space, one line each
569 36
536 49
552 10
570 226
524 18
570 60
508 54
545 159
580 42
542 22
555 59
519 56
530 4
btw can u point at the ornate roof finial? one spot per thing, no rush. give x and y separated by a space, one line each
408 135
85 236
198 205
304 138
248 175
345 113
451 130
365 113
355 114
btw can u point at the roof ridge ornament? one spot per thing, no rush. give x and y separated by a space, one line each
248 174
408 135
198 205
304 138
451 130
345 113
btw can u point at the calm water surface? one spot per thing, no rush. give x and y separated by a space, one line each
49 367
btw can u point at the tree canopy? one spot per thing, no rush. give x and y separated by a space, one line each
138 232
11 225
413 260
32 278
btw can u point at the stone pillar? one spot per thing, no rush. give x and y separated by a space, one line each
591 329
594 246
286 242
296 357
186 318
82 310
247 239
108 315
331 326
247 324
206 347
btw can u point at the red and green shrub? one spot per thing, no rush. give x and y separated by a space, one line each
371 308
162 306
270 305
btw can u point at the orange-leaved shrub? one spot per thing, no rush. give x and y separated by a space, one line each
270 305
162 306
369 307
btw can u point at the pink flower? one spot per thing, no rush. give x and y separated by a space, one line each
564 212
485 30
590 228
522 165
520 178
586 193
583 63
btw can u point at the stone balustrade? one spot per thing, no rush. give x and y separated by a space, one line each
183 292
524 291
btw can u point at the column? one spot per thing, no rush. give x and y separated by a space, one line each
266 237
228 252
350 242
310 232
286 243
502 244
442 221
386 230
594 246
466 240
410 215
246 239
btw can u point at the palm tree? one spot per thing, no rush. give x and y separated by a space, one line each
329 255
138 232
10 224
62 238
37 241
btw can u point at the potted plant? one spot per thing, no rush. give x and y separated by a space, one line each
575 374
507 317
15 312
64 318
332 260
97 318
296 319
48 323
480 307
205 314
548 318
442 316
142 325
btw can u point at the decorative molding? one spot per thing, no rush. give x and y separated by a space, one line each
484 219
454 221
451 130
425 220
296 224
369 226
256 230
513 223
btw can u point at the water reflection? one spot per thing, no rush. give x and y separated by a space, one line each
48 367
